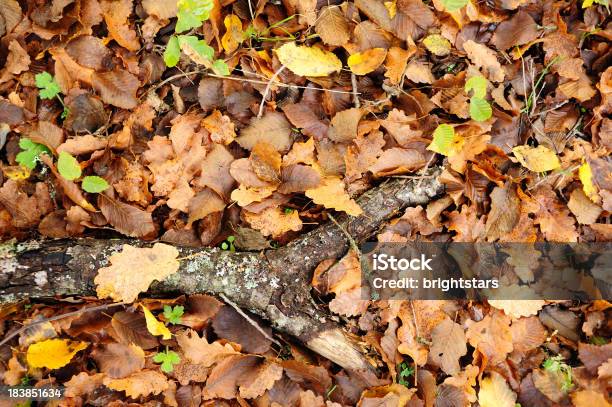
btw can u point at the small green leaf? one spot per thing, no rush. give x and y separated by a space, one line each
443 140
186 21
94 184
196 49
220 67
454 5
172 54
478 84
31 150
199 8
174 314
480 109
47 85
68 166
167 359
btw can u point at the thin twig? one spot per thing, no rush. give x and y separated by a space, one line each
249 319
355 97
267 90
55 318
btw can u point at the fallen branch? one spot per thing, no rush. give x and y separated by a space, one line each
274 284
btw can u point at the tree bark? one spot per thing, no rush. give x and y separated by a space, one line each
273 284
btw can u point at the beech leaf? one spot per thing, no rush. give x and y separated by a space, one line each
308 61
537 159
53 353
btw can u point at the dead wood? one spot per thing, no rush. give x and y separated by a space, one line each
274 284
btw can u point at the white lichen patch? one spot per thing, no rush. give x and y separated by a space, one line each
40 278
8 265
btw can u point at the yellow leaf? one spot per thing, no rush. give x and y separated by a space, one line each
495 392
437 44
53 353
362 63
133 269
308 61
155 327
234 35
332 195
17 172
537 159
391 7
586 177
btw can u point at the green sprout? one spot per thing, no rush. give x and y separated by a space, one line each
28 157
229 244
174 314
49 89
190 15
405 371
556 365
167 359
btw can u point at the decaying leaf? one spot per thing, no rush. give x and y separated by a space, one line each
142 383
133 269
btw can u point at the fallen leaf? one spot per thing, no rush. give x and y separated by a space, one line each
127 219
199 351
332 195
362 63
272 128
343 127
437 45
274 221
519 307
234 35
448 346
332 26
485 59
53 353
155 327
82 384
495 392
117 88
118 360
518 30
419 72
17 61
537 159
397 59
131 327
133 269
492 337
308 61
221 128
139 384
589 398
585 211
116 15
